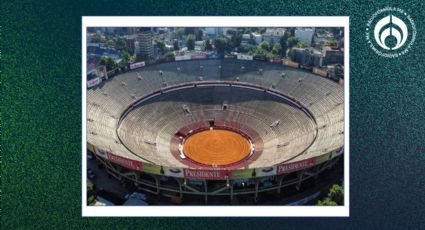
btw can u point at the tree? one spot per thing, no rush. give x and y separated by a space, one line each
326 202
222 44
91 199
180 32
265 45
110 43
126 57
247 48
236 39
190 42
336 193
161 45
231 31
120 44
302 44
189 30
284 43
208 46
292 41
276 49
98 38
199 35
247 31
176 45
169 54
108 62
335 197
331 43
259 52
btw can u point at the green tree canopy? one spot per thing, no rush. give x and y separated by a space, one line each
222 44
236 40
199 35
180 32
190 42
326 202
284 43
208 46
332 43
292 41
276 49
108 62
335 196
169 54
161 45
176 45
302 44
265 45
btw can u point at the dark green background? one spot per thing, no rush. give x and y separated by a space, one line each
41 116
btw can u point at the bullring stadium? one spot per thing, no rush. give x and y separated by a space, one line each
216 128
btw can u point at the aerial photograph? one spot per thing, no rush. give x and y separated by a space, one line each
215 116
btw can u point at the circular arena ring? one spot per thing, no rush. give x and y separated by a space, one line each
216 120
216 147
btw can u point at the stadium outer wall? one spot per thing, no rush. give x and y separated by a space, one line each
176 182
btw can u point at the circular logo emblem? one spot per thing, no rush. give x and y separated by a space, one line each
391 32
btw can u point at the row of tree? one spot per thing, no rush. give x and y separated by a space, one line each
335 197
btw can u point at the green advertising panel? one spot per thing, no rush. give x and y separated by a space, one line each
149 168
241 174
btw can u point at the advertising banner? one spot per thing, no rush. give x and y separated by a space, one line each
198 56
213 56
182 58
131 164
173 172
150 168
242 174
265 171
137 65
93 82
275 61
295 166
259 58
206 174
229 56
320 72
245 57
290 63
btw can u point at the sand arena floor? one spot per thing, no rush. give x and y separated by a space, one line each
216 147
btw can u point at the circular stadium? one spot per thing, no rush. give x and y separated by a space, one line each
214 128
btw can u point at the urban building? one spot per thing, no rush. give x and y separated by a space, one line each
305 35
307 57
333 55
273 35
143 46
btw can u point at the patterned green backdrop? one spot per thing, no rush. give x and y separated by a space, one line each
41 116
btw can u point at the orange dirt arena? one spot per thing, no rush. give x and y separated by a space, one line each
216 147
